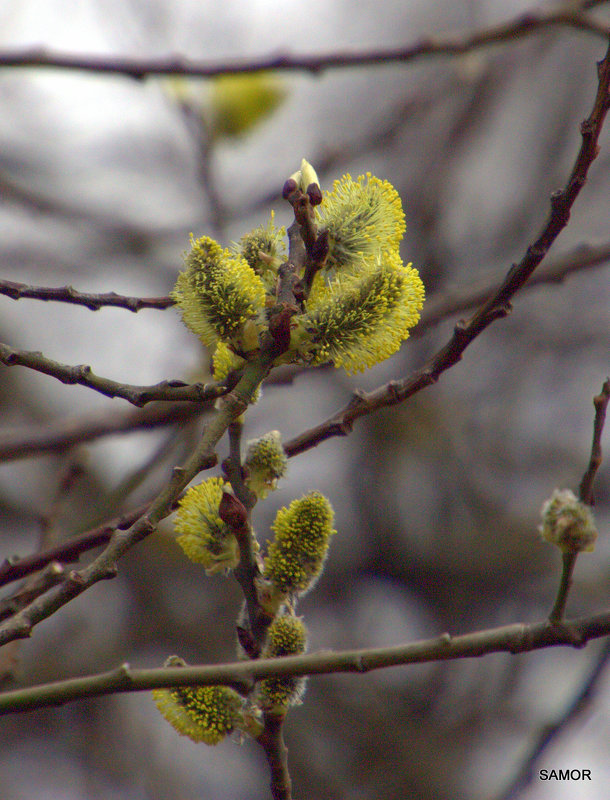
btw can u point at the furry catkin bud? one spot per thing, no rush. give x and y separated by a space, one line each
203 713
203 535
363 218
220 296
296 555
568 523
362 319
286 636
265 463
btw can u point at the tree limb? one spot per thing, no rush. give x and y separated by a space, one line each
67 294
515 638
83 375
568 15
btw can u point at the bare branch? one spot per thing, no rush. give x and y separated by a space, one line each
168 390
515 638
568 15
496 307
601 405
63 434
67 294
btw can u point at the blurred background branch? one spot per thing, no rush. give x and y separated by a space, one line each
569 14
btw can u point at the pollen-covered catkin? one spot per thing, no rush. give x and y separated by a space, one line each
364 319
203 536
363 218
296 555
220 296
203 713
286 636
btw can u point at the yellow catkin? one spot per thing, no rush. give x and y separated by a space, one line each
296 555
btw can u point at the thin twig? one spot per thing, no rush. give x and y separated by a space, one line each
272 742
496 307
568 562
64 434
92 301
600 402
567 15
586 495
81 374
515 638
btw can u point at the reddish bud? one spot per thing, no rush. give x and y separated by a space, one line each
290 187
232 511
315 194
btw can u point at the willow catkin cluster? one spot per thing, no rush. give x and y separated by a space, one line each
360 306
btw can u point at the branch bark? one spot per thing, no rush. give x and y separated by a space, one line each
515 638
82 375
569 14
92 301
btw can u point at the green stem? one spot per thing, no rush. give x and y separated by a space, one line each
558 611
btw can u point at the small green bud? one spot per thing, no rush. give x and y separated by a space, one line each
203 713
220 296
203 535
265 463
568 523
264 250
286 636
297 553
240 102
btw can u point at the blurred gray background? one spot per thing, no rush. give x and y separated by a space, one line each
437 501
